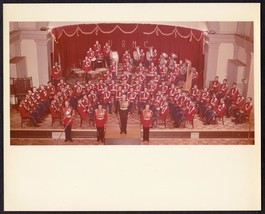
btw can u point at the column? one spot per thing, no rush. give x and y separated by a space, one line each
210 63
43 57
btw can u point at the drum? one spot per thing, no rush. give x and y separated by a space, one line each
93 59
114 56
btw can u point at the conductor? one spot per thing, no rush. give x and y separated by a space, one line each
68 115
123 106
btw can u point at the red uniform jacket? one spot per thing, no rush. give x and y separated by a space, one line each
220 111
56 72
132 97
82 110
68 114
146 118
190 112
100 117
144 96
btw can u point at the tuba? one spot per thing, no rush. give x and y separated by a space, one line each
149 54
136 53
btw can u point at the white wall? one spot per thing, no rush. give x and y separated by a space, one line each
29 50
226 51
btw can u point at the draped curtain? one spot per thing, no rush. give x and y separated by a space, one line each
72 42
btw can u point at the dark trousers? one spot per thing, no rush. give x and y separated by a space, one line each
100 134
123 120
146 133
68 132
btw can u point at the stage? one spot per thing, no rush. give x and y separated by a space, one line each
45 134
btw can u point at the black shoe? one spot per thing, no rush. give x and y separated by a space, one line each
110 112
121 132
71 140
65 140
36 125
125 132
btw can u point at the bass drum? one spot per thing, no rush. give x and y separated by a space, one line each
114 56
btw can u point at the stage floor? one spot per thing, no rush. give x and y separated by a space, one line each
219 134
15 124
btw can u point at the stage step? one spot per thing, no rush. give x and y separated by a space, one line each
113 136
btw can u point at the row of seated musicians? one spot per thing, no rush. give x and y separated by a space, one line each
182 106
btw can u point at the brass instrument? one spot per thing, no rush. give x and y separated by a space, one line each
136 53
149 54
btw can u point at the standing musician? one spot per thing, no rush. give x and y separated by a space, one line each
68 114
97 49
113 69
87 67
123 113
106 52
146 120
56 73
100 119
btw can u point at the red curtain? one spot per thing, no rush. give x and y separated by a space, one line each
72 42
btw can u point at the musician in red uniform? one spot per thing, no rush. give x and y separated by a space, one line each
214 86
50 90
113 69
106 53
155 57
100 119
132 99
56 73
244 111
236 105
142 56
146 120
87 67
126 57
68 114
60 85
91 55
97 49
222 89
106 99
231 95
144 99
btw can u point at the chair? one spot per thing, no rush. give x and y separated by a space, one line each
55 116
25 116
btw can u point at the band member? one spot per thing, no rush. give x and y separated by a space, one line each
106 52
214 86
87 67
140 68
123 106
91 55
132 95
195 76
244 111
146 120
222 89
142 56
56 73
97 49
60 85
126 57
68 114
236 105
144 99
100 119
231 95
155 57
113 69
106 99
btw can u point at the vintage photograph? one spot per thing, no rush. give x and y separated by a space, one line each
170 83
132 107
